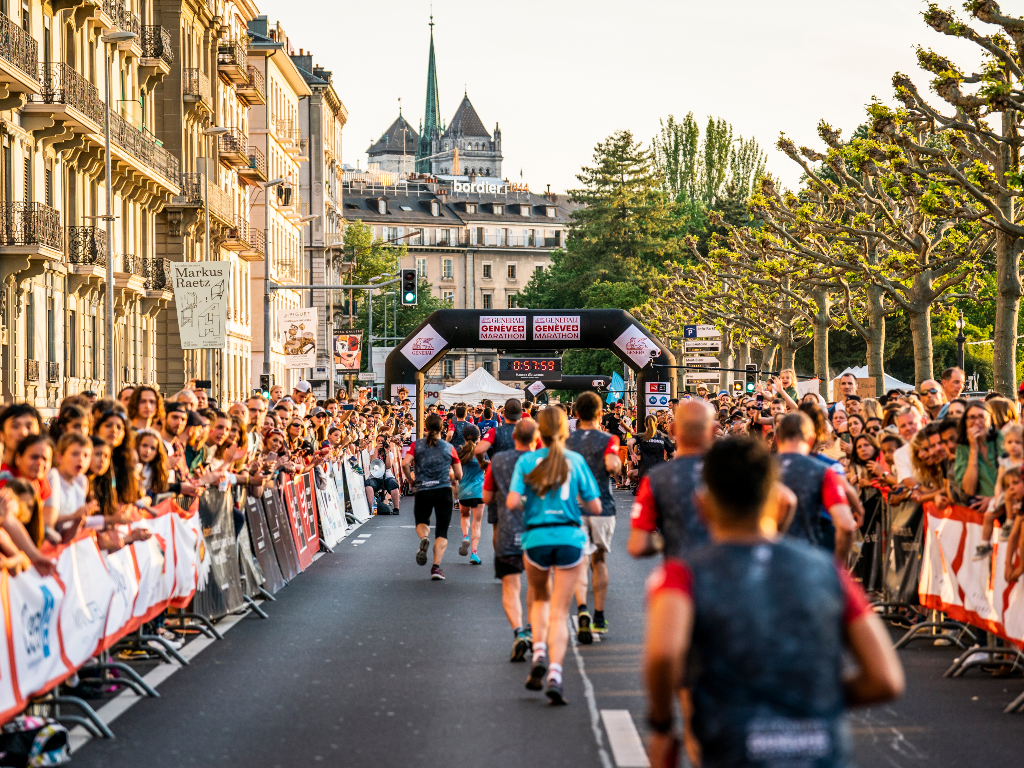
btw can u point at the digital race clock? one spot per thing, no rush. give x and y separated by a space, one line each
530 368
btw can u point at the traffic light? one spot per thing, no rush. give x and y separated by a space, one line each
737 387
410 284
751 377
266 384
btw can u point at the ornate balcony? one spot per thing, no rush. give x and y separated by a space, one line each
21 51
143 148
30 227
237 236
195 90
234 149
255 171
66 96
233 60
131 265
52 373
87 246
157 273
32 370
193 192
254 91
156 44
121 16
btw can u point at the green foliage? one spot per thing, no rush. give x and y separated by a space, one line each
373 257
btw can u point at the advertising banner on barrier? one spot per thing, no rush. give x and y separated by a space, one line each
280 534
332 518
296 522
222 592
356 494
34 603
121 567
262 544
969 590
309 511
88 591
9 703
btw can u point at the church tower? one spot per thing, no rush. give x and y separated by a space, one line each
431 128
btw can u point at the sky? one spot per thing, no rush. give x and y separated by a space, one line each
561 75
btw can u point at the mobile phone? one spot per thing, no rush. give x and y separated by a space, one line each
347 407
760 400
204 384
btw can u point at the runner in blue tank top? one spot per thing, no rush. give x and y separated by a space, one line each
471 491
549 483
762 695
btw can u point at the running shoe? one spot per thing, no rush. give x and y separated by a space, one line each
421 553
474 558
538 671
175 641
555 693
436 574
1004 532
464 548
583 633
520 647
600 626
982 551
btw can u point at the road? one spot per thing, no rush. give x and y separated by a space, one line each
366 662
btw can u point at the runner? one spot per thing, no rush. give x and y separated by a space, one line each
601 452
508 530
553 541
500 438
761 696
432 462
455 431
664 502
471 486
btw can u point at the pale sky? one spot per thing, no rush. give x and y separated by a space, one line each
561 75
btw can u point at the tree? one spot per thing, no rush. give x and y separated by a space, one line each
979 178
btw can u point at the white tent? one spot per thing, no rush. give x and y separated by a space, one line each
479 385
862 373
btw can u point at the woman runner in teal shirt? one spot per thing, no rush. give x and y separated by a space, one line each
549 483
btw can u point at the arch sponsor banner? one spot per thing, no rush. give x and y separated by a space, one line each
503 328
969 590
556 327
636 345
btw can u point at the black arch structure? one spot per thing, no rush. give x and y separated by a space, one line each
571 382
612 329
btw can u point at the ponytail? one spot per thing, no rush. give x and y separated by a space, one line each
652 428
468 451
432 426
553 470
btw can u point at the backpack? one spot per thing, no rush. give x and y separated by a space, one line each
34 742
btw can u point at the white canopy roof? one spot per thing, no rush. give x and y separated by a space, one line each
862 373
479 385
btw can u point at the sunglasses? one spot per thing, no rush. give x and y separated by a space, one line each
874 430
929 391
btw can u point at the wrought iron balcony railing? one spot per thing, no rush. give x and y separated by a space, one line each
157 273
156 43
234 142
30 224
257 241
18 47
196 84
131 265
52 373
256 81
193 189
257 160
61 84
234 52
121 15
142 147
87 246
31 370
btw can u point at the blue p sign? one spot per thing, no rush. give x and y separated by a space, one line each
689 331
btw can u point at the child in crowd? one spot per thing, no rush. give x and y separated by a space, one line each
1000 508
1013 501
74 455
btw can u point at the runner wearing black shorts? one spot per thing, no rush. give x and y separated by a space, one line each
432 461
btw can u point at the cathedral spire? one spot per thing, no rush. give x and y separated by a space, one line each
432 114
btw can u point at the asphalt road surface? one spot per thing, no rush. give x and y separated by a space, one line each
366 662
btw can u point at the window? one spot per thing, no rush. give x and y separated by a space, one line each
499 209
550 211
382 206
444 237
470 207
94 332
531 238
435 208
525 210
489 366
72 344
392 233
448 297
448 368
481 238
512 299
51 331
487 271
487 302
448 272
538 268
421 267
30 325
512 271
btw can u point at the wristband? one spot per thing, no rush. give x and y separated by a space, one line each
660 726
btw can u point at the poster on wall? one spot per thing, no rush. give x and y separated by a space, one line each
201 297
298 329
348 351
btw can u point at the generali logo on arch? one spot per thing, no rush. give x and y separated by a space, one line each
423 346
636 344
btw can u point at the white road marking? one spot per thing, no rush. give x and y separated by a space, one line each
624 739
588 692
127 698
364 535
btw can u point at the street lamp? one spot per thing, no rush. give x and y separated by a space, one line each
266 271
960 339
305 220
212 131
112 39
369 306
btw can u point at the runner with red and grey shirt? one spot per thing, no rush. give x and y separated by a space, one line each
761 695
601 452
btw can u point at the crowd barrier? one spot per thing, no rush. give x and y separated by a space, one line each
207 561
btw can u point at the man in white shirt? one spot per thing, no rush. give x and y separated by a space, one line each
299 393
908 421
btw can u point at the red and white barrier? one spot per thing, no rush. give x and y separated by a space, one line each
968 590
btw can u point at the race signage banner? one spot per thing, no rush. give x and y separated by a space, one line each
536 388
201 297
295 521
704 362
222 593
556 327
298 329
422 347
636 345
332 516
701 378
348 352
503 328
262 544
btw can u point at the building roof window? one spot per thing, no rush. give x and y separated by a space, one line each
405 207
382 206
435 208
549 211
525 209
499 209
470 207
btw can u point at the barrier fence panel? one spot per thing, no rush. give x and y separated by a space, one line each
295 521
904 552
332 515
356 494
309 497
262 544
280 533
221 592
252 574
